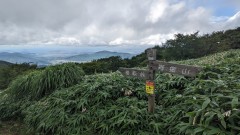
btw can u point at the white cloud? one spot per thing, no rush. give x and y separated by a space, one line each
64 41
96 41
156 39
108 22
233 21
217 19
157 10
235 17
91 30
120 41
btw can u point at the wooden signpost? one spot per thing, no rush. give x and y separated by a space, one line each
142 74
149 75
179 69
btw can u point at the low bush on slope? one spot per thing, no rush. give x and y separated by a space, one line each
113 104
214 59
99 105
29 88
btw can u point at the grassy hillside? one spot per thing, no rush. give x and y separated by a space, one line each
4 63
213 59
9 72
112 104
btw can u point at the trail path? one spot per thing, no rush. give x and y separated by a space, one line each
12 128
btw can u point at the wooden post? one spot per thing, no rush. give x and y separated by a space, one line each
151 53
149 75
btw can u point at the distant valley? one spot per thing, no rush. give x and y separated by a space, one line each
17 57
23 58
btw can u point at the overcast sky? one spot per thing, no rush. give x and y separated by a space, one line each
111 22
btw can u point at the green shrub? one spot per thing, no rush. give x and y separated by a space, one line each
113 104
38 84
207 104
99 105
27 89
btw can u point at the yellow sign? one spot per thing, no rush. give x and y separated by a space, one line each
149 87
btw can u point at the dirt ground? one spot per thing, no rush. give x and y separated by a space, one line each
12 128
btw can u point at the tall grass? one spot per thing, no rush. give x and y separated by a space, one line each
207 104
27 89
38 84
213 59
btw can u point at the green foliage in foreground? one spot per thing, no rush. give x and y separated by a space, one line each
9 72
96 106
35 85
38 84
113 104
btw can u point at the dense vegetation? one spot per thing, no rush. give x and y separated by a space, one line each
182 47
63 100
112 104
9 72
29 88
103 65
4 63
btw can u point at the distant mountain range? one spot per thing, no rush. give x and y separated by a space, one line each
22 58
97 55
33 58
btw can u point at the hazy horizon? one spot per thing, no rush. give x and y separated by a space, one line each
66 50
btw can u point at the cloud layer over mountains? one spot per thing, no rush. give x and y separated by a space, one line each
109 22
